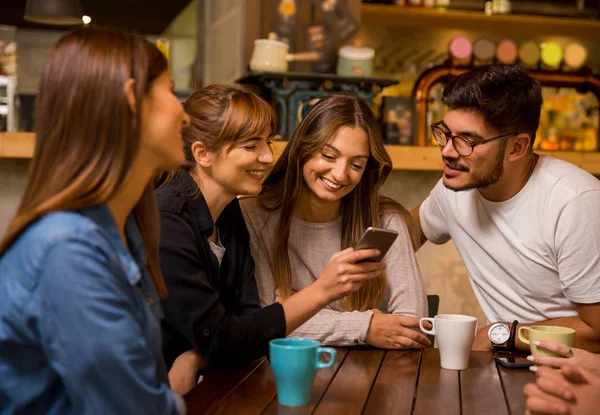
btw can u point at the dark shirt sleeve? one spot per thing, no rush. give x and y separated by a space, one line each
194 307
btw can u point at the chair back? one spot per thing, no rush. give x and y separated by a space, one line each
433 304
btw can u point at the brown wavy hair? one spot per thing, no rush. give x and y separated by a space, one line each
220 115
361 208
87 136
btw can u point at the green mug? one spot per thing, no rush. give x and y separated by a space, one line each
557 334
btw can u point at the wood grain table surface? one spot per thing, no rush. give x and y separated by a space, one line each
372 381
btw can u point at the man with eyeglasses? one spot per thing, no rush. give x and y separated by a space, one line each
527 226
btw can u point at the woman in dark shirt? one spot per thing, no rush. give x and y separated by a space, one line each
212 314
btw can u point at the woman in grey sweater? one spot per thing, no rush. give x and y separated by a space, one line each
320 197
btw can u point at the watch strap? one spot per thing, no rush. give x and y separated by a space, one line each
512 340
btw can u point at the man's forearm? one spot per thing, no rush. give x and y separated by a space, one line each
586 337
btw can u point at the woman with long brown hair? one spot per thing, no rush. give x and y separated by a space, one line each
213 315
80 278
320 197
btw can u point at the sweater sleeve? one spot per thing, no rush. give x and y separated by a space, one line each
404 292
328 326
194 307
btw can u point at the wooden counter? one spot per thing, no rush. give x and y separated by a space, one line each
21 145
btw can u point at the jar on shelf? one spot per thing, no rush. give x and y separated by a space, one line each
484 51
575 56
355 60
551 54
529 54
506 51
460 50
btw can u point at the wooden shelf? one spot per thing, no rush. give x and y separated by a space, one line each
428 158
17 145
21 145
511 24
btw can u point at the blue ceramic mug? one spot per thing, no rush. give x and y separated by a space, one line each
294 363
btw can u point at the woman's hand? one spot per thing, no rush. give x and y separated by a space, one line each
184 372
390 331
344 274
572 356
570 390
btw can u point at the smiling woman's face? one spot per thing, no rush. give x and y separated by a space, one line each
336 169
239 168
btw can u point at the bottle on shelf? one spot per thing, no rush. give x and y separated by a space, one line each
488 8
391 130
549 140
501 6
442 4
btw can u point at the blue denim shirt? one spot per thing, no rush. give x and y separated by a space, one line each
79 321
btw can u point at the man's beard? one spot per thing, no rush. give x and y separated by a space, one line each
481 180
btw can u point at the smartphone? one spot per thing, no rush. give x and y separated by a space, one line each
513 361
381 239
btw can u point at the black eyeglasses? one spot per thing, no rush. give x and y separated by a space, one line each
462 145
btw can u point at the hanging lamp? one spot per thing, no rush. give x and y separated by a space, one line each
54 12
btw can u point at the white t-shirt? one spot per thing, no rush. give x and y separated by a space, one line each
533 256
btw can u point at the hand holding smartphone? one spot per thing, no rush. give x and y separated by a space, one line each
380 239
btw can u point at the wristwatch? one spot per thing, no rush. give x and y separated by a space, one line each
499 334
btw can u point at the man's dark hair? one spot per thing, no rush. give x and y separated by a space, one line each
506 96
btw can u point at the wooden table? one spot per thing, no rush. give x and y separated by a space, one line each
372 381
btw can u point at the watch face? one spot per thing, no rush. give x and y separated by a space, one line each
499 334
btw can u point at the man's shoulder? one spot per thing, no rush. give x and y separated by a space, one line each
564 179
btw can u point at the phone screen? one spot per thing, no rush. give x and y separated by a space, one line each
514 361
382 239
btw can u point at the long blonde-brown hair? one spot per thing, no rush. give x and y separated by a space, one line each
361 208
219 115
87 136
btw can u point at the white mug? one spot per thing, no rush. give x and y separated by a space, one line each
455 334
